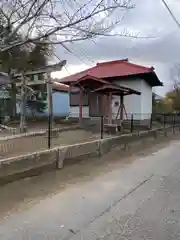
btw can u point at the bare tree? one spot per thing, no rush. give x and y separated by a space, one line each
59 21
27 22
174 93
175 75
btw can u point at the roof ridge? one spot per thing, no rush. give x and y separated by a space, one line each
140 66
112 62
126 61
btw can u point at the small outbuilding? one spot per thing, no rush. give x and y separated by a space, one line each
115 89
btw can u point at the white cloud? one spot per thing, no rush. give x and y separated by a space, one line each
69 70
150 18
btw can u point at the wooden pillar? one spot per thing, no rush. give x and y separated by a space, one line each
81 104
102 105
110 108
105 105
121 108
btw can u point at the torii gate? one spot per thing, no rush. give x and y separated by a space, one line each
43 70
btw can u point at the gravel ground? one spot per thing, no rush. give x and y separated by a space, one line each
106 198
25 192
14 147
32 127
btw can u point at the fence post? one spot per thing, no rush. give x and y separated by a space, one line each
164 121
173 123
164 124
49 130
102 127
131 123
150 122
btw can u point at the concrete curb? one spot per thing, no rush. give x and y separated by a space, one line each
56 158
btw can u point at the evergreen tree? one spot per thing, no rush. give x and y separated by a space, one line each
19 59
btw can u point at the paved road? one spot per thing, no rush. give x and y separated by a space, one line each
138 201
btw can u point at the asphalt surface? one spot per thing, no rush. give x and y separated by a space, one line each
137 201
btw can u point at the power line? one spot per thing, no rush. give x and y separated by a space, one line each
81 50
71 52
67 70
75 55
171 13
85 56
65 67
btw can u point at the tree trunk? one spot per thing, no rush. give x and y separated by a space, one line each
23 127
13 110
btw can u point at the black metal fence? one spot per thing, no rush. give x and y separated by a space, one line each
169 118
41 135
49 134
134 123
100 127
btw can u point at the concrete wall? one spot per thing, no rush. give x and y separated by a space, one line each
31 164
60 106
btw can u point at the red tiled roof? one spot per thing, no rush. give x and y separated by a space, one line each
86 77
110 69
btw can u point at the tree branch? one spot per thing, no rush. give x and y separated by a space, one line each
31 17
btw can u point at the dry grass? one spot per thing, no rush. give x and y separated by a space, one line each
14 147
32 127
23 145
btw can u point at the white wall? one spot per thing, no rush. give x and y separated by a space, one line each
146 101
60 104
74 112
138 105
